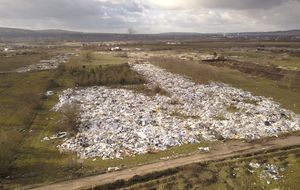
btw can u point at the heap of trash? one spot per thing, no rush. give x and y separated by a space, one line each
116 123
266 171
48 64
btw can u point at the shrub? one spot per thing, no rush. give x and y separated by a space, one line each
108 75
70 114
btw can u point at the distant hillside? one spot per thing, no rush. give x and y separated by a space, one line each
13 34
273 33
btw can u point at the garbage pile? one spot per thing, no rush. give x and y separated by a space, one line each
48 64
266 171
116 123
229 112
272 171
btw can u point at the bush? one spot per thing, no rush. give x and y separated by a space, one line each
108 75
70 114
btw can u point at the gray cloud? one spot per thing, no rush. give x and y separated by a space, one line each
241 4
151 16
73 14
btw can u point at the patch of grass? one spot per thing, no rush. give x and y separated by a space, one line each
269 59
20 100
220 117
9 142
146 89
250 101
21 97
232 109
182 116
22 154
17 61
93 59
230 174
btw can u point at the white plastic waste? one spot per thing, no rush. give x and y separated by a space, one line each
116 123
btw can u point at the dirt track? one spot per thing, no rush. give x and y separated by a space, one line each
220 151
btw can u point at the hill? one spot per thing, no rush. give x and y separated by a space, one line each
17 35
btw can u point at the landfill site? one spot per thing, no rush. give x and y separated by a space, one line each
169 114
117 123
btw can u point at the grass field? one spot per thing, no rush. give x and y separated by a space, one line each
268 59
233 174
95 59
20 99
15 62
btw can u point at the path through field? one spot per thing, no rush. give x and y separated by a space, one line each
220 151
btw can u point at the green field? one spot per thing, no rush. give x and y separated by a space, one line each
15 62
234 174
95 59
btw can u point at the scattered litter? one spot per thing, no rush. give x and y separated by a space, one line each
269 171
59 135
272 172
110 169
46 139
254 165
204 149
49 93
49 64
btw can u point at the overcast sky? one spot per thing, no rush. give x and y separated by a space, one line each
152 16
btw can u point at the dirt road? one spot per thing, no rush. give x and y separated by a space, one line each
220 151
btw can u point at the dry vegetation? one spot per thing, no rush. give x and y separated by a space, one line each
69 118
100 69
226 174
106 75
